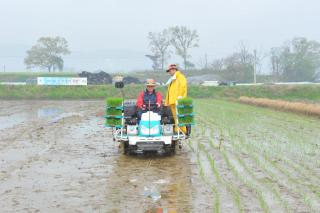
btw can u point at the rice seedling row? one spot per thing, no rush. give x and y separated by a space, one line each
273 149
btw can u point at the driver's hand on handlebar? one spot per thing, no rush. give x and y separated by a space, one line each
158 105
143 107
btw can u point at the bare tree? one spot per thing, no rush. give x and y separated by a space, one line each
159 44
203 63
244 53
275 62
182 40
254 57
217 64
155 61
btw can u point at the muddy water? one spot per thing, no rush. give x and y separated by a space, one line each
56 156
145 179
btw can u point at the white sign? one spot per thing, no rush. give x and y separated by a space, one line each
61 81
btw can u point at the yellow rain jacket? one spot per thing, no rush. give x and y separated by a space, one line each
177 87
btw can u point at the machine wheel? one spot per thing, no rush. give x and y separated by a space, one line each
170 149
124 147
188 127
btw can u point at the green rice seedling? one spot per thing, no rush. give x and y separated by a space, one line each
114 102
228 185
247 183
211 186
273 150
185 110
267 168
109 121
113 111
186 119
114 121
185 101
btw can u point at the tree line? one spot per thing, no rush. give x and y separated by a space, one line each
295 60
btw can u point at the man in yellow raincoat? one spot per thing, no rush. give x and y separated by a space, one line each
177 88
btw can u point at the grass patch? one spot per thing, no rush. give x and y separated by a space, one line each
66 92
305 93
23 76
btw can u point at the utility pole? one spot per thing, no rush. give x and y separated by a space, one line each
255 67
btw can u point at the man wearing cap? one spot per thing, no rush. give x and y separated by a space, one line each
177 88
149 98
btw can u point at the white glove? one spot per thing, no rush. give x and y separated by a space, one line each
179 97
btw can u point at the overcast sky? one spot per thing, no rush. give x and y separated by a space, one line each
112 34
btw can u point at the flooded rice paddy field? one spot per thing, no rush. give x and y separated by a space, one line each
57 156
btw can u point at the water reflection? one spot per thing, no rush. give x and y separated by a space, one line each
12 120
49 112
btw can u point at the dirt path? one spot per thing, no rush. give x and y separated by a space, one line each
56 156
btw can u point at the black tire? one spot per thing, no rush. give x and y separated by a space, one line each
170 149
188 127
124 147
